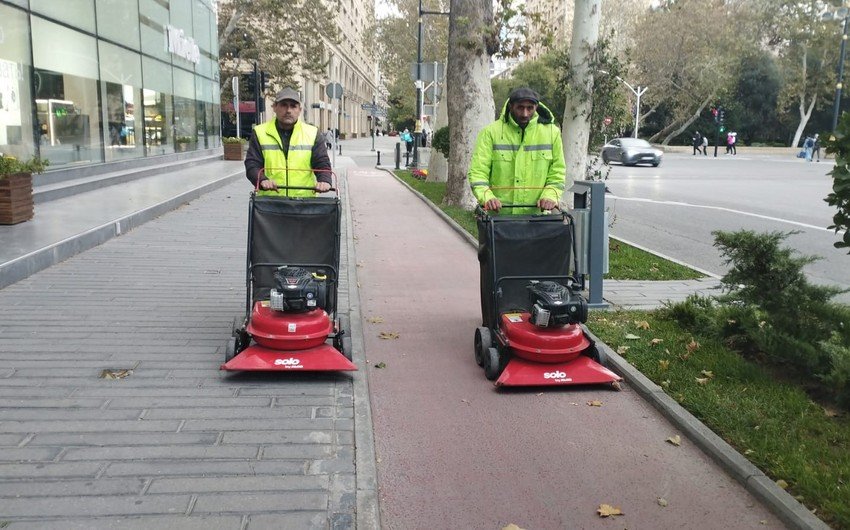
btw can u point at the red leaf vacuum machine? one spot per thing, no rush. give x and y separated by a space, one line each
532 309
291 320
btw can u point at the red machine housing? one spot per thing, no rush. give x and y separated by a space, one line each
549 356
288 341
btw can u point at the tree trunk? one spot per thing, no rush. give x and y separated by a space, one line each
468 91
805 114
576 127
688 121
438 167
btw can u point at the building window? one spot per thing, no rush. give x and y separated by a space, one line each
16 130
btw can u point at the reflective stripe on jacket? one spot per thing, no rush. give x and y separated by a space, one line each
507 156
294 168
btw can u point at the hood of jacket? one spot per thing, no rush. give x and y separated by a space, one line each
543 116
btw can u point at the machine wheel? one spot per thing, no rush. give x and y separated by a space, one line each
343 330
656 164
242 338
482 343
605 159
598 355
347 347
493 364
230 349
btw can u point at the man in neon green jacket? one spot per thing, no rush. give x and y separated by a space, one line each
519 158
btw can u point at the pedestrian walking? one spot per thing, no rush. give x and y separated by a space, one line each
808 147
705 145
816 147
734 143
696 141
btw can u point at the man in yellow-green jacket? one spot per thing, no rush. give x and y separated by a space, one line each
289 149
519 158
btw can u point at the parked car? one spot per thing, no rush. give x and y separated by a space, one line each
630 152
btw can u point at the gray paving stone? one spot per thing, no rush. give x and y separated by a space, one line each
289 521
280 437
215 522
239 484
121 438
261 502
90 426
206 468
93 505
159 452
67 488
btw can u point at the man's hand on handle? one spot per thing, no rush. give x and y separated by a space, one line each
546 204
493 204
322 187
267 184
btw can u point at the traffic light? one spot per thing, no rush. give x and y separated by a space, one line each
721 115
722 128
264 80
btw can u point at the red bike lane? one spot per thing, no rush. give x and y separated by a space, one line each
454 452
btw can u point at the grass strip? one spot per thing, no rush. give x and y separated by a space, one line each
625 262
771 422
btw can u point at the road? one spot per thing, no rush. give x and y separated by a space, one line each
674 208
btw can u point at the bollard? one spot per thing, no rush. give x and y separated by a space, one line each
379 158
397 156
340 148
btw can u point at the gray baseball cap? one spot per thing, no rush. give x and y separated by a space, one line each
288 93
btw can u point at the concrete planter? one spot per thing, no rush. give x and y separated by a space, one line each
16 204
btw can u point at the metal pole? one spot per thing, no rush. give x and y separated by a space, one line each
235 86
372 113
418 90
838 85
637 111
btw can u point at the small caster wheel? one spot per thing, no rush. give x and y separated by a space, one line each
493 365
482 344
347 347
230 349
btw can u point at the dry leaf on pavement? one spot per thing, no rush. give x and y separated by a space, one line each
388 335
512 527
115 374
381 365
375 320
606 510
675 440
662 502
595 403
616 386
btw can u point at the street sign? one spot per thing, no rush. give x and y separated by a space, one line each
334 90
429 72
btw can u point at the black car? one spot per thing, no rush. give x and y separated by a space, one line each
630 152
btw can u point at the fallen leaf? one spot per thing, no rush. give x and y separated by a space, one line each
539 394
830 412
656 341
749 452
574 403
664 364
595 403
675 440
512 527
622 350
465 401
616 386
763 521
642 324
375 320
606 510
115 374
631 336
388 335
692 346
662 502
702 380
707 373
665 383
782 484
381 365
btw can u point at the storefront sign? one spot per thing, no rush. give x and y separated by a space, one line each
182 46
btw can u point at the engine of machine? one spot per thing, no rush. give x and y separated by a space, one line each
298 290
554 305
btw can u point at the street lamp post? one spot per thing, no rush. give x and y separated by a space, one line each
417 129
638 92
841 12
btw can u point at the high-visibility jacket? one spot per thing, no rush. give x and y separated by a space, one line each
507 156
292 169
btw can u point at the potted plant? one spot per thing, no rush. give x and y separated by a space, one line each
234 148
183 142
16 204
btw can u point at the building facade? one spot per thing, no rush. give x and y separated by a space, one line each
92 81
352 65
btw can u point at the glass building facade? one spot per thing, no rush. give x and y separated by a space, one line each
93 81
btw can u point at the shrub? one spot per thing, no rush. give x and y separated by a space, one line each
10 165
440 141
233 140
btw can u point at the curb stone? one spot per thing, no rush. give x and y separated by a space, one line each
786 507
